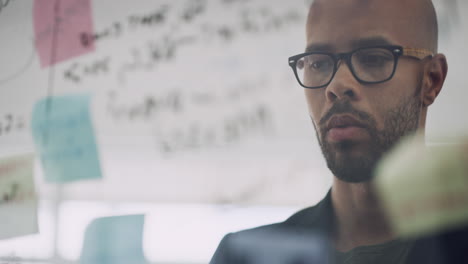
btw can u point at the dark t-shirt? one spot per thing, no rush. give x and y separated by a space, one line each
319 219
393 252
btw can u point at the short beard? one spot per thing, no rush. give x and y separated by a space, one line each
398 122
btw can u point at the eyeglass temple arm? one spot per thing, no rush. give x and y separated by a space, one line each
417 53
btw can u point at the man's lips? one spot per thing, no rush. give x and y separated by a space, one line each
344 127
341 121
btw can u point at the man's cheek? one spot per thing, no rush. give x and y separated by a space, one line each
380 115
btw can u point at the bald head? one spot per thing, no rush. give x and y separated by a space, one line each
411 23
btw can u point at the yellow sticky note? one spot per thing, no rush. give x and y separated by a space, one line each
424 189
18 200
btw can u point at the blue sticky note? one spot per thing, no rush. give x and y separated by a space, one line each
64 137
114 240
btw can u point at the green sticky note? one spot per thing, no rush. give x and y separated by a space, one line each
18 200
114 240
64 137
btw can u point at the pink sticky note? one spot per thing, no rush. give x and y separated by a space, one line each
72 19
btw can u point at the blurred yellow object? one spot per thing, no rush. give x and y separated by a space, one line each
424 190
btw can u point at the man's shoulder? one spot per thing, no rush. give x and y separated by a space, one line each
261 229
315 217
304 226
318 217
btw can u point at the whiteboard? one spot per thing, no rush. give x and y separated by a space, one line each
193 101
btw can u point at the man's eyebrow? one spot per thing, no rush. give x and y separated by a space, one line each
370 41
318 47
359 43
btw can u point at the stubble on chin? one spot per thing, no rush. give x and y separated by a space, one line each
353 166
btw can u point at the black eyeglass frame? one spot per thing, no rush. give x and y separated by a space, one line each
396 50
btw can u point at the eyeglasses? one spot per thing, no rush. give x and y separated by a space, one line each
368 65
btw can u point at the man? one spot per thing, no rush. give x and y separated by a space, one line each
370 71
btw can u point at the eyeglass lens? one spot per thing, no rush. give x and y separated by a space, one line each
368 65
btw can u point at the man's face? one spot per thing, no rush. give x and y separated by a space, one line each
356 123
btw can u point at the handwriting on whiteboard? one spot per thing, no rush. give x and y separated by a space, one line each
163 49
4 4
230 129
11 123
177 115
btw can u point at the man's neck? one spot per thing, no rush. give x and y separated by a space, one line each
359 219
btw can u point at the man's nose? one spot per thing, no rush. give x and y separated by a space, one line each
343 84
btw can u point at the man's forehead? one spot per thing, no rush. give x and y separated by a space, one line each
364 5
369 41
343 23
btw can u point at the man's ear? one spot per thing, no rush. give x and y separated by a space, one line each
435 74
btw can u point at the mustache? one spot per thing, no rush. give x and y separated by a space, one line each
344 107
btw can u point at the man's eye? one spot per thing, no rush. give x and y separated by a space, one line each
319 65
374 60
